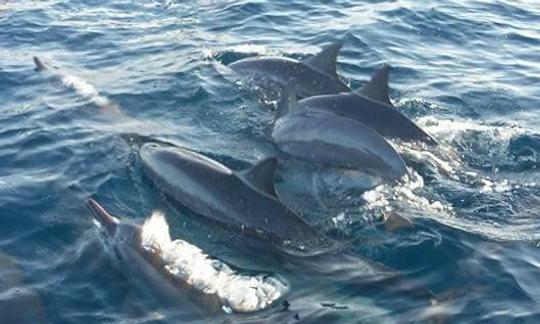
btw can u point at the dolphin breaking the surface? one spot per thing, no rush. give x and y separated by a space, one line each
177 272
246 199
315 75
371 106
329 139
80 86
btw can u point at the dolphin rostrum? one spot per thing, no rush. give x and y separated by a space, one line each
178 272
245 200
371 106
315 75
332 140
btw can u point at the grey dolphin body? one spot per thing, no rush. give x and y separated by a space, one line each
241 199
124 242
177 272
371 106
315 75
333 140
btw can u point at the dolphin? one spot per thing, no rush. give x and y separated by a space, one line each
80 86
242 199
371 106
315 75
329 139
177 272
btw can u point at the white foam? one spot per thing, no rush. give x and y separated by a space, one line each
450 128
85 89
446 161
251 48
240 293
491 186
263 50
490 139
382 196
418 153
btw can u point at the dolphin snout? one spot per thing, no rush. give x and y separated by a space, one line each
106 220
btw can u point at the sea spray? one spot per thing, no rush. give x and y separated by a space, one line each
237 292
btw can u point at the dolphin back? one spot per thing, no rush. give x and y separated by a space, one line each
384 119
315 75
337 142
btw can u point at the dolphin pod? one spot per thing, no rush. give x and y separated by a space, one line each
174 270
333 140
315 75
316 81
332 125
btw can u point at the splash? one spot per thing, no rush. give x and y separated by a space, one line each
86 90
80 86
447 164
383 196
239 293
489 197
451 129
252 48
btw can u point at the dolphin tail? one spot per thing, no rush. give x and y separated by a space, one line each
287 101
40 66
102 216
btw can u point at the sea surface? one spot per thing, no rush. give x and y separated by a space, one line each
122 73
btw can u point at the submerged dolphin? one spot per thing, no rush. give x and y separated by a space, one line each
333 140
315 75
177 272
371 106
80 86
19 303
244 199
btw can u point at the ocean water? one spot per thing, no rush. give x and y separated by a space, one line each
126 72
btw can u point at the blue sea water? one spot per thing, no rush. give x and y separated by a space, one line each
466 71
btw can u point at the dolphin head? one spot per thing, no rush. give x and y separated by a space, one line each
121 238
181 173
158 157
108 222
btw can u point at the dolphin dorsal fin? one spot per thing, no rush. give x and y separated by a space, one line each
40 66
377 87
326 60
287 101
261 175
